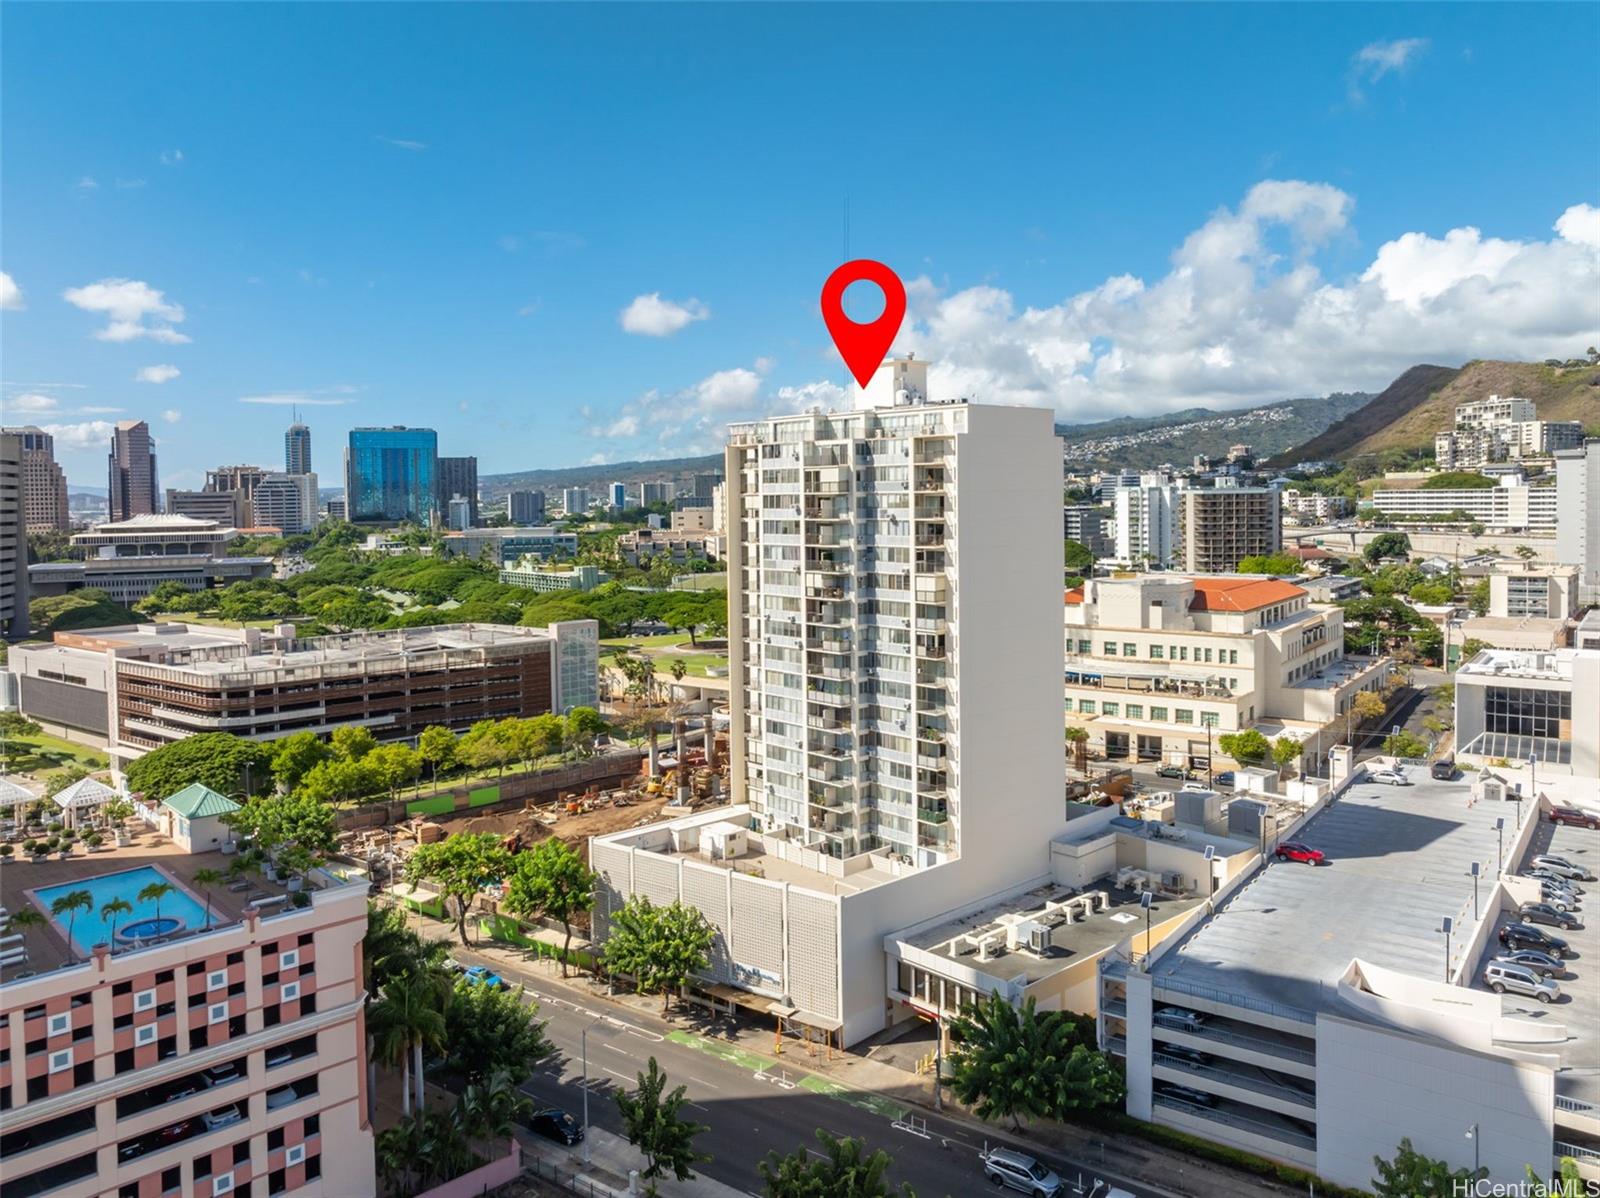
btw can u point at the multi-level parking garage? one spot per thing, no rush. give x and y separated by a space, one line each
1322 1013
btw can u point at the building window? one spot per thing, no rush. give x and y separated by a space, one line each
1233 657
289 959
1522 712
1209 719
1108 709
144 1035
1110 648
171 1179
291 990
1158 714
217 1013
222 1183
60 1024
216 979
1085 646
1086 706
295 1155
61 1061
1136 711
1157 653
1129 649
1183 715
144 1000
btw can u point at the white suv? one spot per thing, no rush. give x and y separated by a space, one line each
1019 1171
1501 976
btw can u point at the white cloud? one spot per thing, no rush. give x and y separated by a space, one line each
404 143
33 402
1244 315
97 410
1377 59
129 184
171 157
652 316
172 415
129 303
10 293
157 374
86 183
324 397
91 434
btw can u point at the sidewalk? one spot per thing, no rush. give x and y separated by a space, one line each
612 1158
881 1088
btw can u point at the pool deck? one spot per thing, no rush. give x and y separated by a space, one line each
47 946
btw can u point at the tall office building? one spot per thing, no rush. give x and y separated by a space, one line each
44 486
132 483
287 502
1223 525
701 484
297 449
654 493
13 540
851 653
391 474
525 507
1578 515
574 500
617 496
459 477
1146 515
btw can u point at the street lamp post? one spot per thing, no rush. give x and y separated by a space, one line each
1211 869
1446 929
1476 869
1472 1134
1144 901
1500 849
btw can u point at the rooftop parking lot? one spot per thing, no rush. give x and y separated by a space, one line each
1397 864
1579 1006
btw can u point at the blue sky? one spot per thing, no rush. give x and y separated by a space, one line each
562 234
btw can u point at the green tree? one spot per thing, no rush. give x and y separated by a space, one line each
679 669
70 904
437 746
1405 744
653 1122
207 879
1471 647
294 756
395 766
338 781
109 912
843 1169
1077 558
1526 552
583 725
219 760
1014 1063
492 1106
1434 594
1285 751
1248 745
661 947
352 742
408 1019
1478 597
488 744
1270 563
1387 544
460 866
59 781
489 1030
155 892
551 880
1078 737
293 831
88 608
1412 1175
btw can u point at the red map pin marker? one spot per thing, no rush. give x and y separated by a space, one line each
862 346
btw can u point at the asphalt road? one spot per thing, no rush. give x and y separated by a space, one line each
749 1114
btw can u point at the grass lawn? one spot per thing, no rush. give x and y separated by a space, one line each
181 617
44 755
664 641
696 662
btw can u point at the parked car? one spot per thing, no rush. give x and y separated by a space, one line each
280 1055
1186 1094
1018 1171
1563 866
280 1097
173 1132
1558 896
1550 875
1293 850
1222 781
482 975
553 1123
222 1117
180 1089
1184 1054
1548 914
1171 771
1389 778
1525 935
1575 816
1444 770
1531 958
1501 976
218 1074
1180 1018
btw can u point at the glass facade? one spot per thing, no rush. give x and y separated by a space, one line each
1527 712
391 475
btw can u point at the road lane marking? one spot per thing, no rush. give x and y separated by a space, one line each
614 1073
614 1048
697 1081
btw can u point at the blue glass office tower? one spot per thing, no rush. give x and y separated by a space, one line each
391 474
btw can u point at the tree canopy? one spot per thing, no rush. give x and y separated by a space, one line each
1412 1175
219 760
460 866
489 1030
551 880
654 1124
842 1169
661 947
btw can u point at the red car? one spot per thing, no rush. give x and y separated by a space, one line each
1575 816
1293 850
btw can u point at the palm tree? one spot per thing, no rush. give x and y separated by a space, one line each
408 1018
205 879
27 917
70 904
490 1109
110 911
154 893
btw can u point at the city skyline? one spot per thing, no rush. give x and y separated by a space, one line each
459 274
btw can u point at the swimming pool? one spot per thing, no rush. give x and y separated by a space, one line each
89 929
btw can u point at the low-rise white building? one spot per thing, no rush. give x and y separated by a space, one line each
1513 504
1518 704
